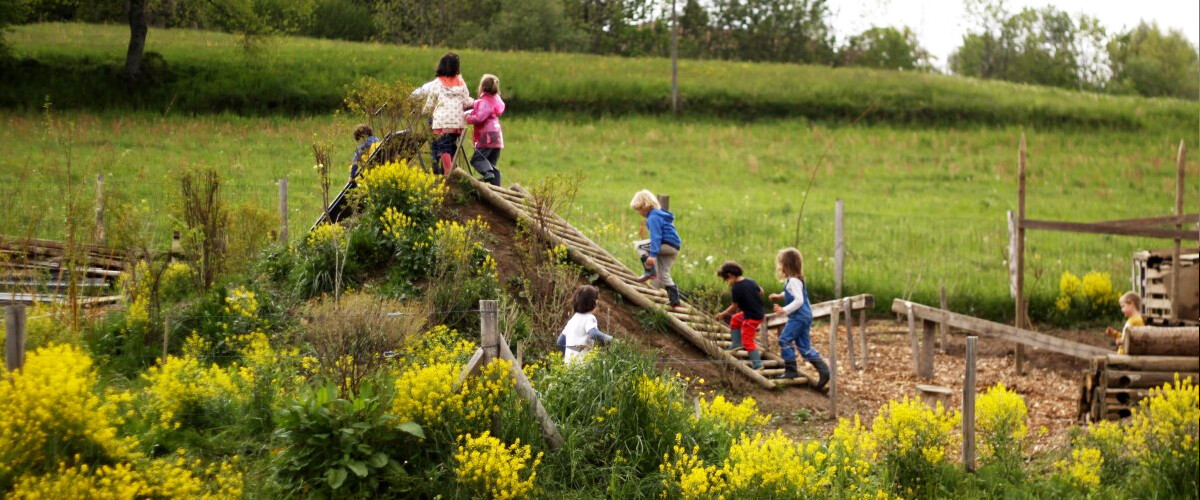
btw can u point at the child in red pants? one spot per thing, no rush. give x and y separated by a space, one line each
747 296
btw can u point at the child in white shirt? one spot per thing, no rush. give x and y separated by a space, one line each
582 330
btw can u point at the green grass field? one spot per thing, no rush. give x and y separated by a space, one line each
925 205
78 65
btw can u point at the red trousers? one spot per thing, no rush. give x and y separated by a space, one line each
749 329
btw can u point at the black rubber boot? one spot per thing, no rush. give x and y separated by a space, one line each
496 179
789 370
822 373
736 335
648 273
673 296
756 359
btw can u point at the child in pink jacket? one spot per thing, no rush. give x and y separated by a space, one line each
485 116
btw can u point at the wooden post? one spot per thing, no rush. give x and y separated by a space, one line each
968 411
1020 253
524 388
942 326
166 335
14 340
674 60
489 329
100 209
283 210
1175 264
927 350
912 335
862 338
839 248
833 327
849 312
664 201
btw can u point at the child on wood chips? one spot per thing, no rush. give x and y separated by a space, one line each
485 116
789 267
743 326
659 252
1131 307
582 330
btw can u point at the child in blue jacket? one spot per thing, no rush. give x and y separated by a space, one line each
659 252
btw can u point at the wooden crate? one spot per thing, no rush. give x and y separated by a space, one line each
1152 280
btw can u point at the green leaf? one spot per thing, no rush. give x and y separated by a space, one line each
412 428
335 476
358 468
378 460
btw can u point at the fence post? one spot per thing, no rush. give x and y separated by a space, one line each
862 338
912 335
14 340
927 349
849 312
166 335
664 201
489 329
833 327
942 325
968 411
1180 179
839 248
283 210
100 209
1021 311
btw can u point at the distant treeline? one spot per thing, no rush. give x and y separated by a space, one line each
1038 46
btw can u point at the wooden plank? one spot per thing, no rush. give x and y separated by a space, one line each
1164 220
554 439
998 330
470 369
942 326
861 302
616 283
1114 230
14 337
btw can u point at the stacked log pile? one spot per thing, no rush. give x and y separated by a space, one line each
1155 356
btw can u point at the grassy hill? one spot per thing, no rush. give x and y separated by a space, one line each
79 66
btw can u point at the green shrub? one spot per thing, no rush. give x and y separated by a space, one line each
342 447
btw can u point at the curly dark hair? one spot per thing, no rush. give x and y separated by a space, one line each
729 268
448 65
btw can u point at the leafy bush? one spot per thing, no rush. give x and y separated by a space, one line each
412 192
350 337
1088 299
339 447
464 273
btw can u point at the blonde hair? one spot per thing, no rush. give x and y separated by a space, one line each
644 200
789 264
1132 298
489 84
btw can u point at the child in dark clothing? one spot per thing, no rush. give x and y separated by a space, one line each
747 296
367 142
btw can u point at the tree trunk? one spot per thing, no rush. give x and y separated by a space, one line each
137 38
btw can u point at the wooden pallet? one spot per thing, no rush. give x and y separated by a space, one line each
697 326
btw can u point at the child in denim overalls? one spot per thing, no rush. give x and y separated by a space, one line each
789 266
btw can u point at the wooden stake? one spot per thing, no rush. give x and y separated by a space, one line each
912 335
968 411
489 329
1175 264
833 327
942 326
283 210
100 209
849 312
14 340
166 336
839 248
1020 253
927 349
554 440
862 338
664 201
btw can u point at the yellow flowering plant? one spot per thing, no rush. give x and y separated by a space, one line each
1000 418
912 441
488 468
1091 297
413 192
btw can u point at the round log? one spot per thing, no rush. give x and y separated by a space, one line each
1154 363
1144 380
1162 341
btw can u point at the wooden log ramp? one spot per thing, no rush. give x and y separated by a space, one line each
697 326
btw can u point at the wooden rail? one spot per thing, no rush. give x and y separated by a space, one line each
998 330
698 327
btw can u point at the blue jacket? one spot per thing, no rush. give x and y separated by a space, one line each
359 152
661 225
